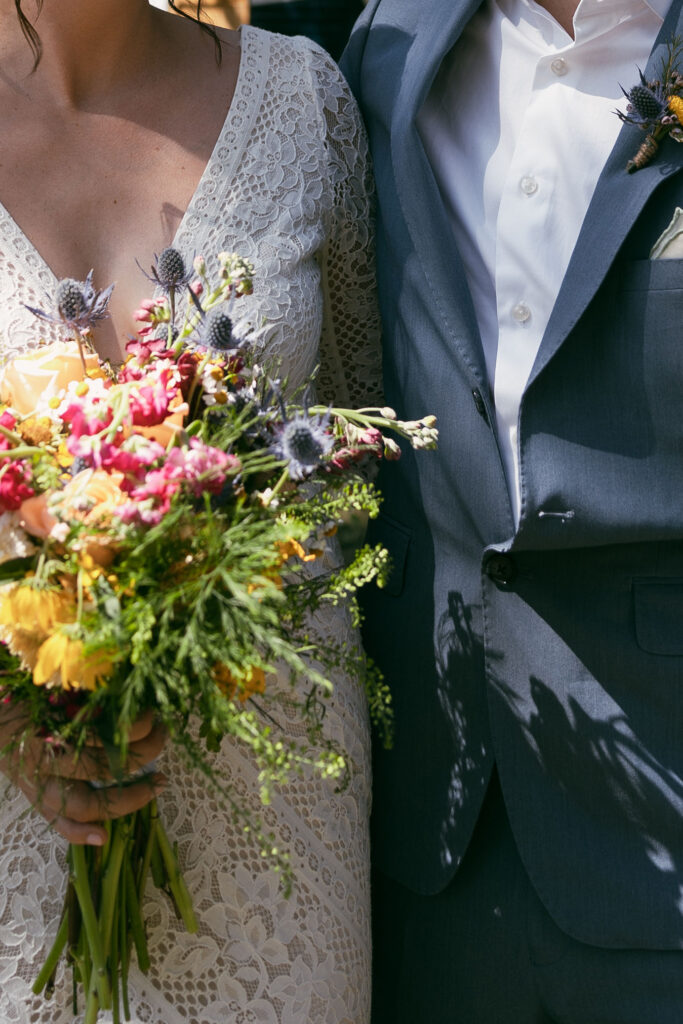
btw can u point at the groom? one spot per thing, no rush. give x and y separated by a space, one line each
528 821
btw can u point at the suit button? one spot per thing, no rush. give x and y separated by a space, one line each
501 569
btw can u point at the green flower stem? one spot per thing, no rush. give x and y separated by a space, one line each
135 919
284 477
119 912
156 861
176 882
11 435
124 948
78 337
22 451
53 956
92 1007
94 943
120 834
149 820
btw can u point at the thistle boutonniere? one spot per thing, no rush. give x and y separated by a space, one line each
656 107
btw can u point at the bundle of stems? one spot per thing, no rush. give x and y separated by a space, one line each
102 923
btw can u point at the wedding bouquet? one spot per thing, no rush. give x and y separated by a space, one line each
158 522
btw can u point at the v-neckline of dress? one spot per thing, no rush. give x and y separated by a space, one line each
27 246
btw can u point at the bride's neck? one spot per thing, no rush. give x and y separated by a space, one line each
87 48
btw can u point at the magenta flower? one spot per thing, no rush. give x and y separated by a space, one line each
15 484
149 403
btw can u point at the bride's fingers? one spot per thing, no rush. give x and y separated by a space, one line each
35 760
140 728
67 804
92 762
84 833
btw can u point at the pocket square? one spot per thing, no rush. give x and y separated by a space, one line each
669 245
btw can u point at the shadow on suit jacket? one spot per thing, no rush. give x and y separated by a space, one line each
556 649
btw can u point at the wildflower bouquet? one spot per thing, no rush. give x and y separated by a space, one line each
157 524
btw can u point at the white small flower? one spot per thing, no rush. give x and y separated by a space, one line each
14 541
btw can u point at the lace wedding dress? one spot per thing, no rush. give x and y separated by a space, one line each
286 187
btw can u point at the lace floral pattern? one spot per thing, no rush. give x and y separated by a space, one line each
286 187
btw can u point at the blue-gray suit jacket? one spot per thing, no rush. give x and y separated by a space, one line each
555 650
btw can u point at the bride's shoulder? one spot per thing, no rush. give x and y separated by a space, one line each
296 59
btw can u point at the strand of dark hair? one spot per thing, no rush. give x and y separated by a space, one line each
30 34
33 39
197 18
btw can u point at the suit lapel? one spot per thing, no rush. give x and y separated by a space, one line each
618 200
428 31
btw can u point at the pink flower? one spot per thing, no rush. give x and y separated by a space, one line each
186 367
201 467
143 350
15 484
369 442
149 404
134 460
9 423
89 422
150 500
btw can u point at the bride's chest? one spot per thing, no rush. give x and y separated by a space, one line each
97 192
112 193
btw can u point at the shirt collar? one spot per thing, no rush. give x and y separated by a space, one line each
613 10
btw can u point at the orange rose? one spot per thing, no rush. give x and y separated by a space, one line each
43 374
90 496
92 485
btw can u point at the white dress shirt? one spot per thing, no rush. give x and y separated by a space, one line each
518 126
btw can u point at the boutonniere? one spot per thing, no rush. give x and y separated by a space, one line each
656 107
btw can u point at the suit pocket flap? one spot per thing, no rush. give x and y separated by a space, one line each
659 615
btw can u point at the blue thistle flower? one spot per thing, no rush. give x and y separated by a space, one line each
647 103
169 271
303 442
77 304
217 329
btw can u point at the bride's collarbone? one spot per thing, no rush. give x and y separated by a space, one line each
97 190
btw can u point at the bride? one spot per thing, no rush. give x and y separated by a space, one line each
136 130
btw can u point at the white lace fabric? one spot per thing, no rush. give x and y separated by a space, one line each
287 188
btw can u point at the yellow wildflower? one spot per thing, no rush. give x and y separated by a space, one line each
676 107
64 456
61 658
291 548
37 611
36 430
251 681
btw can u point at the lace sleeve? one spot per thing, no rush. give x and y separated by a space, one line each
350 357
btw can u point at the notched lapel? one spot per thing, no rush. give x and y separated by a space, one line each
618 200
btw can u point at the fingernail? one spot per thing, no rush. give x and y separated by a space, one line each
95 839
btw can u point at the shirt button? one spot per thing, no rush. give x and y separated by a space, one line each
559 66
521 312
528 185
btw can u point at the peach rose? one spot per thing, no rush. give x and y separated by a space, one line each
95 491
42 374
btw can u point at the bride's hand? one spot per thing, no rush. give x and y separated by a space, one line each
60 786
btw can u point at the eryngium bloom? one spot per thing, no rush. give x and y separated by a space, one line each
169 271
647 104
217 331
303 443
77 304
